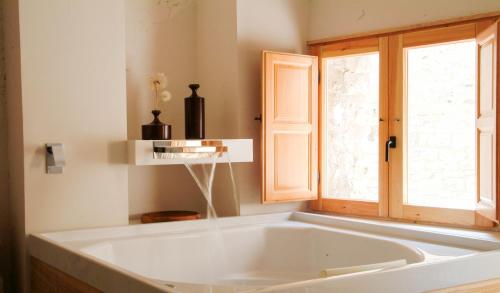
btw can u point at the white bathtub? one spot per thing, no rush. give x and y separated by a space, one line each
280 252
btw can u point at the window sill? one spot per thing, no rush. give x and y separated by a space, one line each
462 237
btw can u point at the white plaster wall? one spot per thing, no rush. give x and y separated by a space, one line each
331 18
279 25
194 44
160 39
65 83
216 71
218 44
73 92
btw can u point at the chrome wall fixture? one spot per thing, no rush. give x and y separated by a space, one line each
54 158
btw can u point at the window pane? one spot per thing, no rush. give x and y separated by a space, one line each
441 125
352 121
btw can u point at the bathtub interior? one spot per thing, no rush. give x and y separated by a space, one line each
254 255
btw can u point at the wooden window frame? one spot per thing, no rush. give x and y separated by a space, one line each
393 71
347 206
399 43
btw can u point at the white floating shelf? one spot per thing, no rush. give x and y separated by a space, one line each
140 153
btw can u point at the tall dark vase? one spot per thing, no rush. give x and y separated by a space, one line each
194 107
156 129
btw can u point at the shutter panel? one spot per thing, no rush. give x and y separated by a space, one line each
289 127
486 122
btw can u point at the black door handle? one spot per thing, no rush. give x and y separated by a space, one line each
391 143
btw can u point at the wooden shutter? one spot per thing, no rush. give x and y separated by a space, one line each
289 127
486 122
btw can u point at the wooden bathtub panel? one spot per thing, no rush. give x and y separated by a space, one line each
47 279
490 286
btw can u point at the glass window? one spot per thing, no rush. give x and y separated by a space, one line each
352 127
441 91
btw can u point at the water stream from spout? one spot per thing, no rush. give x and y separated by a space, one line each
205 182
216 246
236 196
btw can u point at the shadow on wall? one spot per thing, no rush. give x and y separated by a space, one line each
6 267
157 188
223 54
5 226
39 157
6 283
117 152
159 38
280 26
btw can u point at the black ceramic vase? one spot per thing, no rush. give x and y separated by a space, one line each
194 107
156 129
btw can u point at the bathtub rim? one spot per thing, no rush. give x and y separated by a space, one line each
44 245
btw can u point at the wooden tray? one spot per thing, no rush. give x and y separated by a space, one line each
169 216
